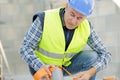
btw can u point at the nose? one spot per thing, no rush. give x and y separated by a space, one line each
74 21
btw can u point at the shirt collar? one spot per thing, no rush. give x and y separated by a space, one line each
62 11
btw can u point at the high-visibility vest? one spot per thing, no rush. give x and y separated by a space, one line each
52 45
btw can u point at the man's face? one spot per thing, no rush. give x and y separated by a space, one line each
72 18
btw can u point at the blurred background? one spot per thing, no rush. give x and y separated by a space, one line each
16 18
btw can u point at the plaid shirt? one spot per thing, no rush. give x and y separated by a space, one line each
33 37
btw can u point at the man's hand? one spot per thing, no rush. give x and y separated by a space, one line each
86 75
47 69
83 76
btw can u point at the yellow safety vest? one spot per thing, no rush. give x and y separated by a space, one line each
52 45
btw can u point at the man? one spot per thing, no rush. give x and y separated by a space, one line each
57 37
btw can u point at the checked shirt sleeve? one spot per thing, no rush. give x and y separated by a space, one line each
104 56
29 44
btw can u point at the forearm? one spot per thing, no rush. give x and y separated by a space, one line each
102 62
29 56
104 56
30 43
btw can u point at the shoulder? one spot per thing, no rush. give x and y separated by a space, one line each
40 15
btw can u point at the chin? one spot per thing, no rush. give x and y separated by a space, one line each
70 27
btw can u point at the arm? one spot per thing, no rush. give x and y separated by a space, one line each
30 42
103 56
97 45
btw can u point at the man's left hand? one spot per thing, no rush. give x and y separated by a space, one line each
86 75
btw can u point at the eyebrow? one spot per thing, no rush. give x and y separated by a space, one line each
74 14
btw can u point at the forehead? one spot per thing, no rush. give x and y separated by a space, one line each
74 11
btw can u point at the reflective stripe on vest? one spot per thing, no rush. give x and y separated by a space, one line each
55 55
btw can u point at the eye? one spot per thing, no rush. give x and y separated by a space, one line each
72 14
78 18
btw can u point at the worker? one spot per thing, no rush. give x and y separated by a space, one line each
57 38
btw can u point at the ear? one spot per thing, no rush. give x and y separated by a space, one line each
66 6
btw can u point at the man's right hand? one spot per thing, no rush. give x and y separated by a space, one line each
47 69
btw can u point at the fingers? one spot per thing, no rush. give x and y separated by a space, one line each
83 76
47 68
50 68
45 78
